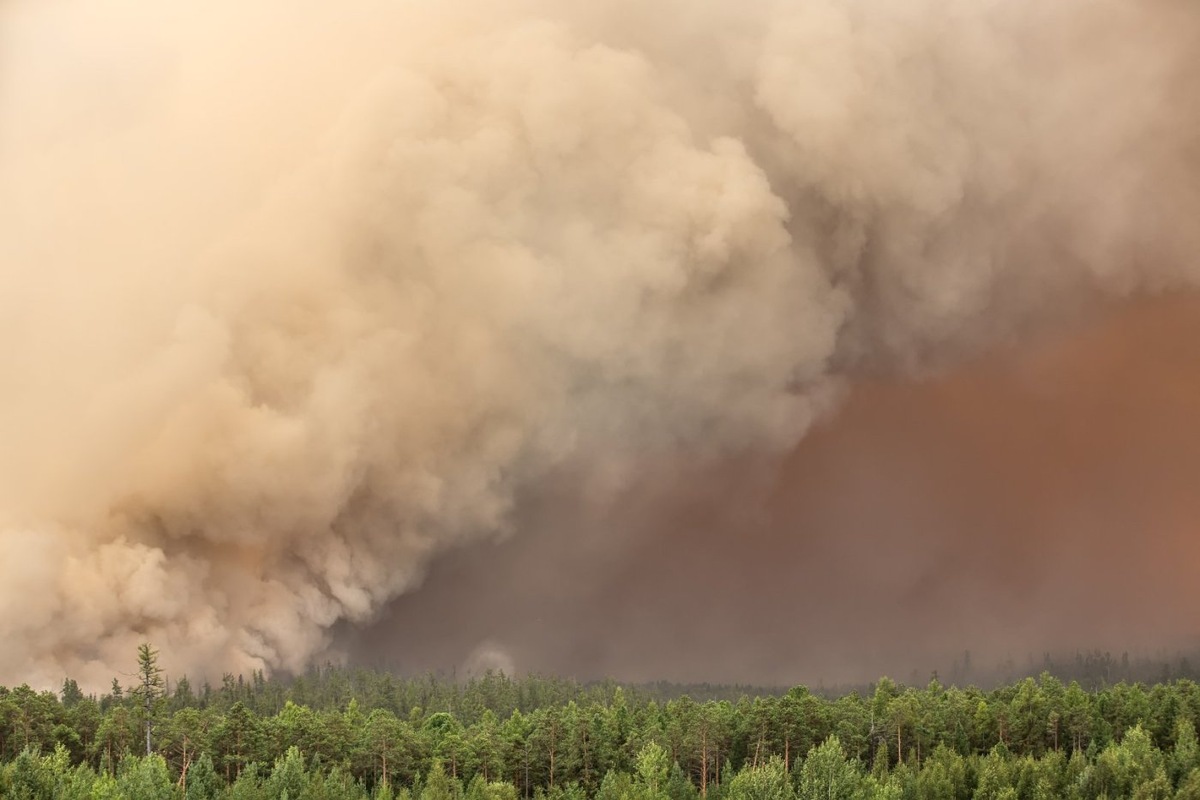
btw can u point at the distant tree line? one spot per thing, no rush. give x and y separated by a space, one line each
337 733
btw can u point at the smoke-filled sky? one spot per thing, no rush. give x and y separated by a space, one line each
300 304
1038 500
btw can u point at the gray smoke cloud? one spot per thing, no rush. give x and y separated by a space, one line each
296 298
1039 499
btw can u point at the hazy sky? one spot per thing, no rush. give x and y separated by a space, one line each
301 301
1043 498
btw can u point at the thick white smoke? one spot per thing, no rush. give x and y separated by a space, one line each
294 298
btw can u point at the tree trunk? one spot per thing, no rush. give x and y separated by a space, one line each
187 762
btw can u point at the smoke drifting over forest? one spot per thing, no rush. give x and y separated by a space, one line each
1039 500
297 299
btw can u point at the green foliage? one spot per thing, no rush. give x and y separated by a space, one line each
29 778
145 778
342 734
1189 786
652 770
148 692
288 775
678 786
248 785
439 786
618 786
767 781
944 776
1185 755
107 788
203 782
828 775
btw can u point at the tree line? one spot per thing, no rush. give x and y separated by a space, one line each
360 734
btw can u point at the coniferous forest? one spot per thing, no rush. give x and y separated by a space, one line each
341 733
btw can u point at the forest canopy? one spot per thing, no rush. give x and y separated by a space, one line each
341 733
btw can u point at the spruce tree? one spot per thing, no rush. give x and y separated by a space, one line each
150 687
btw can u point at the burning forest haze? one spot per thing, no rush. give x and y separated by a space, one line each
764 341
1040 500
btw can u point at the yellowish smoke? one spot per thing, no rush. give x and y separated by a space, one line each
294 298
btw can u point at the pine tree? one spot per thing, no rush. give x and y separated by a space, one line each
71 693
827 774
150 687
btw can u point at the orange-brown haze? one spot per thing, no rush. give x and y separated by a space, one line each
299 299
1042 499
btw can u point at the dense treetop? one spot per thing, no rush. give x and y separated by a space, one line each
355 733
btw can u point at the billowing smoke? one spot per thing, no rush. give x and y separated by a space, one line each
1040 499
294 298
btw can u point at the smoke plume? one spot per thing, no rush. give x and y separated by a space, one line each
1040 499
295 299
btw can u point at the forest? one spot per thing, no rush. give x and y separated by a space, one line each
354 733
